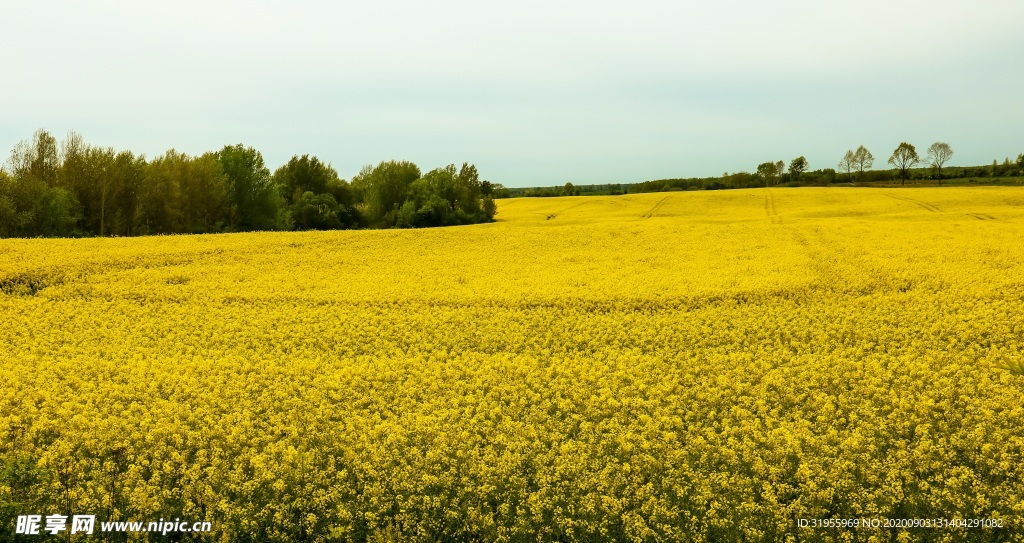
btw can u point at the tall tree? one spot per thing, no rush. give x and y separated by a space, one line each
73 165
254 198
862 160
796 167
205 193
468 182
938 154
129 176
847 164
441 183
304 174
904 158
108 185
767 172
31 201
37 158
386 187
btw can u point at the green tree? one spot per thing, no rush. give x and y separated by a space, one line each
570 190
37 158
439 182
303 174
30 208
904 158
343 194
60 213
129 176
8 212
360 184
500 191
102 185
767 171
18 198
385 188
204 193
73 162
161 198
862 160
31 202
106 183
468 185
256 204
796 167
316 212
490 208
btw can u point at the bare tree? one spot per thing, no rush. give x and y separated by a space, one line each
846 164
862 160
938 154
904 158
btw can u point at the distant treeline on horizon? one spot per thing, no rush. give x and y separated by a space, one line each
72 189
75 189
853 169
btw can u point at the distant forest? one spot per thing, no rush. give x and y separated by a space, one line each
855 168
75 189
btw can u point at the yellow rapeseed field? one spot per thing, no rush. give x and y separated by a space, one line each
688 366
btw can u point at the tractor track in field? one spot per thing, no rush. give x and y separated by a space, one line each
923 205
551 216
769 207
650 212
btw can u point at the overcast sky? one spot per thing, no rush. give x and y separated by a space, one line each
532 92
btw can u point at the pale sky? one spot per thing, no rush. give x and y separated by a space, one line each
532 92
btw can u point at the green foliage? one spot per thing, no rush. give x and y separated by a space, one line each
304 174
396 195
318 199
385 188
767 172
255 201
904 158
60 213
16 205
73 188
204 195
184 194
31 203
796 167
37 159
316 212
489 207
161 198
499 191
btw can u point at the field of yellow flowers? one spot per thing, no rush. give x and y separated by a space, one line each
698 366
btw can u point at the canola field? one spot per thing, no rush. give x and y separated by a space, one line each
711 366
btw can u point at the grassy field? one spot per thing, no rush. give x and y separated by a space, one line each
699 366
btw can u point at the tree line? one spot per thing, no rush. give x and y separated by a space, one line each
71 188
854 167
